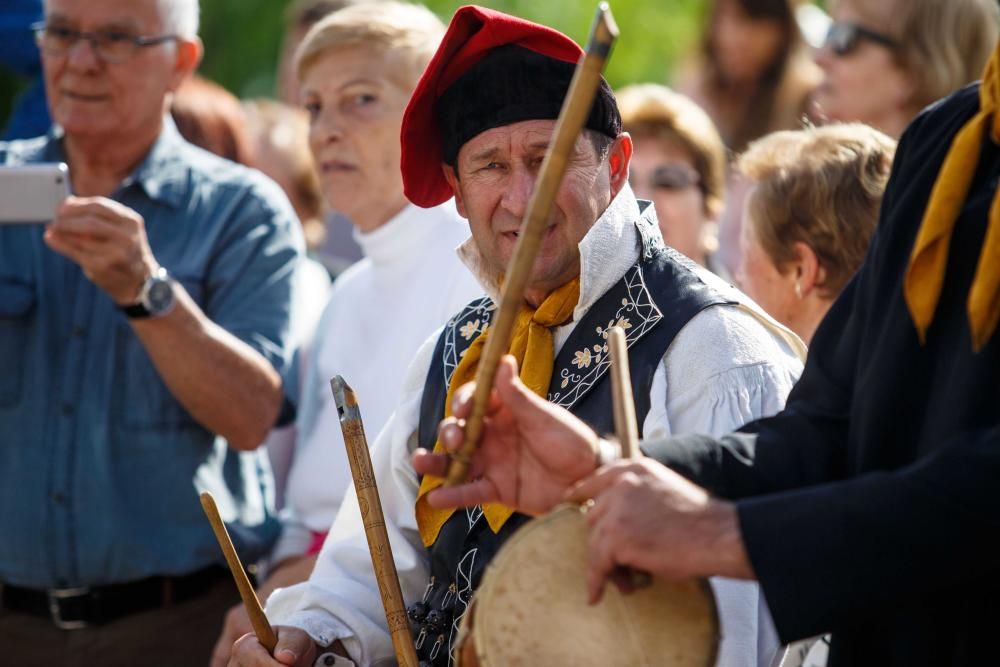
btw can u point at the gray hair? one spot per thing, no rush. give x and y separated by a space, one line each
180 17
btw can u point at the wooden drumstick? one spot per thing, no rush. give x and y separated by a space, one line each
261 627
572 116
626 426
374 520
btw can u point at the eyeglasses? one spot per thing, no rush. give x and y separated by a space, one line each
842 38
111 46
670 176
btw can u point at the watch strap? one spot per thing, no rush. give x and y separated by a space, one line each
135 311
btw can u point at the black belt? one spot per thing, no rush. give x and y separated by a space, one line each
80 607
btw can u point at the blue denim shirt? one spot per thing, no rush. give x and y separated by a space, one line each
100 466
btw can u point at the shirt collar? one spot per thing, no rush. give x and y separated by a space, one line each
403 233
160 174
606 251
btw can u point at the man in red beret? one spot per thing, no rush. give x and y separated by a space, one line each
868 508
477 129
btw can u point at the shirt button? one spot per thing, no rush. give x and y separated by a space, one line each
67 409
78 332
59 498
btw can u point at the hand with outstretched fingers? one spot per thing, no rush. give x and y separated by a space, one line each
530 452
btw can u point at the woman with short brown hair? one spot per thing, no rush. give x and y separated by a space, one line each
678 163
810 213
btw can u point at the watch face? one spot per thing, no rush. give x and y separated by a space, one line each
160 297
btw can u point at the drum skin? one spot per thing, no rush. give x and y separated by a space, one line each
531 609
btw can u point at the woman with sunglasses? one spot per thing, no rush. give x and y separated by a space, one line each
678 163
884 60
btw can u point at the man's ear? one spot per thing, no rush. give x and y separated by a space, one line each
188 54
452 178
619 156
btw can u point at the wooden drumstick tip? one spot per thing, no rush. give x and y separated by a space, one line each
606 22
343 395
261 627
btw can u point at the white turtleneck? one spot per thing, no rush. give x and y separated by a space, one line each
378 314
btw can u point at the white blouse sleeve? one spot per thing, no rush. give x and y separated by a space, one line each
723 369
341 599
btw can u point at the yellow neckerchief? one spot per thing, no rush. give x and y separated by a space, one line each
533 347
925 274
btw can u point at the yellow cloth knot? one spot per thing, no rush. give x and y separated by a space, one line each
928 263
532 345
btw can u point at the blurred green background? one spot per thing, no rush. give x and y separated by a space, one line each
242 38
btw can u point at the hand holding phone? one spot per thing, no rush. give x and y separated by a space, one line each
32 193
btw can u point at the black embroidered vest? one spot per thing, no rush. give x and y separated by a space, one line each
653 301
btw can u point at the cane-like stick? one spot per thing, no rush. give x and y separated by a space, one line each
572 116
265 635
374 520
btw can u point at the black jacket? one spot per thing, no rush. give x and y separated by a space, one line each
870 507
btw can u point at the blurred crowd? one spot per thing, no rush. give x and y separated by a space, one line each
766 162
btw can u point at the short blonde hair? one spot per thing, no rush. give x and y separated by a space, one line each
943 44
652 110
821 186
410 32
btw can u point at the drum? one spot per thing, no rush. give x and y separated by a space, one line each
531 609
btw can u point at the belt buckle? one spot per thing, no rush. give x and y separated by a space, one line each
56 596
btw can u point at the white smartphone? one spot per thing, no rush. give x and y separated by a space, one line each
31 193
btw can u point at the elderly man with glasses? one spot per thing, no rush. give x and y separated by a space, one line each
144 338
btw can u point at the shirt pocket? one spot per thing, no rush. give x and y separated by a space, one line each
16 312
145 403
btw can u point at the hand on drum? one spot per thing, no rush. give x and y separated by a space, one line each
645 516
295 648
530 452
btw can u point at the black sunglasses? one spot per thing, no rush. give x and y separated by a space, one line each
671 177
842 38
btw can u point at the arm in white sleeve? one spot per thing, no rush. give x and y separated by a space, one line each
341 599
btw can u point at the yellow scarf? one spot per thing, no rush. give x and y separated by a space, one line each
533 347
925 274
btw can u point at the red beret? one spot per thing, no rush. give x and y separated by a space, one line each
473 33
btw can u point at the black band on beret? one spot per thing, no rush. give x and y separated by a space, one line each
512 84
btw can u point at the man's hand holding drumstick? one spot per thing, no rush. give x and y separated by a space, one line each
533 455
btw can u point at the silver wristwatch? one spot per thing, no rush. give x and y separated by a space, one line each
156 297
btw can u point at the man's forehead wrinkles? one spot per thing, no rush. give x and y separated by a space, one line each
484 154
491 143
